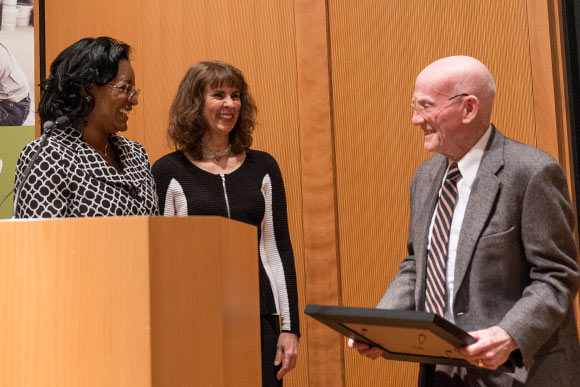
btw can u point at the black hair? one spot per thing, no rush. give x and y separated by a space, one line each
66 92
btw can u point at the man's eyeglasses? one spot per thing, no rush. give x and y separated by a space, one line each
127 89
422 109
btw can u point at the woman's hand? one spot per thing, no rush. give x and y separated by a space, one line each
286 353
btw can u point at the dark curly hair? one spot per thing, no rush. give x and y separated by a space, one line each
186 123
90 60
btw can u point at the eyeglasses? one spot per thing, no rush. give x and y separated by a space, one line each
127 89
421 109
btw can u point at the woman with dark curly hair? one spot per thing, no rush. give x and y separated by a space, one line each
214 172
86 169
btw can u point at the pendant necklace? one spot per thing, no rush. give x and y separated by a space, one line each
104 153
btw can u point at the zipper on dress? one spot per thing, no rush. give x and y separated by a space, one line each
226 195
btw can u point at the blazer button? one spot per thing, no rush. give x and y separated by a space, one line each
460 314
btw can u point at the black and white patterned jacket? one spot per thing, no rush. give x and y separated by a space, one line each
70 179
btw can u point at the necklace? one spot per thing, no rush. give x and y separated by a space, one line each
213 154
104 153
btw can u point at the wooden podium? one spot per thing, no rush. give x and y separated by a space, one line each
129 301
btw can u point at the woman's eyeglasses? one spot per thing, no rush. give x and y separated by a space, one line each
126 88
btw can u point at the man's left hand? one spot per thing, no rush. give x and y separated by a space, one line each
493 347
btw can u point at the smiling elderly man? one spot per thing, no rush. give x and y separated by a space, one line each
490 241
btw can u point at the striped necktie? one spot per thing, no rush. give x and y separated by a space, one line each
435 288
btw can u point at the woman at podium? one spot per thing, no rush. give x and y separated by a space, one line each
81 167
214 172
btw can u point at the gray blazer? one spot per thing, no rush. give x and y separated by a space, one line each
516 264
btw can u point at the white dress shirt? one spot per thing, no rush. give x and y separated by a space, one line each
468 167
13 82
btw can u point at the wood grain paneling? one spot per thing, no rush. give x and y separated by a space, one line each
551 38
37 50
67 22
68 317
318 188
204 292
545 38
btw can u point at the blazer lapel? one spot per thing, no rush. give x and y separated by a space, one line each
97 167
94 165
481 199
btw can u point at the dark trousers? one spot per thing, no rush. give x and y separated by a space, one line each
270 331
14 113
449 376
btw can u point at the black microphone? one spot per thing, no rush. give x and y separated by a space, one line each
50 125
47 127
62 121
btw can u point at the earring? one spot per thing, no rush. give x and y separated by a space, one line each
89 98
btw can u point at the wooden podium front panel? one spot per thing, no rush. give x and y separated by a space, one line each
75 307
204 302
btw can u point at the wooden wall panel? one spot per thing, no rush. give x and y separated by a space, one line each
553 39
377 49
66 22
325 346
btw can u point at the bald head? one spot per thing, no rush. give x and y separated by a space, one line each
453 99
463 75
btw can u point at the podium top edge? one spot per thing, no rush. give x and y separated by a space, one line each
137 219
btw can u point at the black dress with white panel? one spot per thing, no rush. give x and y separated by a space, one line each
254 194
70 179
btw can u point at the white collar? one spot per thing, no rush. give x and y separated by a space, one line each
469 164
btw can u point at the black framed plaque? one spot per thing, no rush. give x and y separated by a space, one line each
403 335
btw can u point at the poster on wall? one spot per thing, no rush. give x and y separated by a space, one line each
17 110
